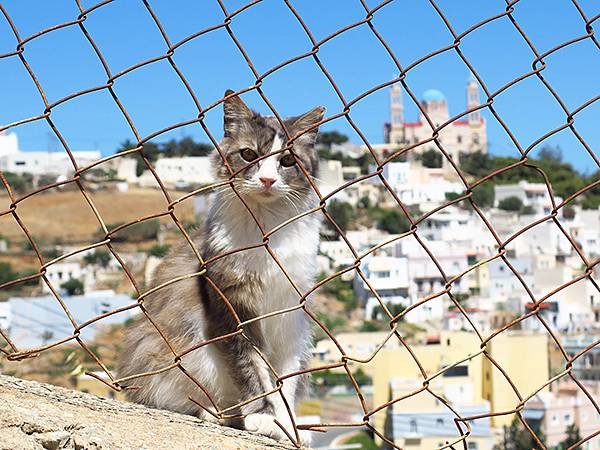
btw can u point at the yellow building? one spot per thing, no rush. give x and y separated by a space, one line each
523 356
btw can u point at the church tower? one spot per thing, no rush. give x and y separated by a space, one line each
474 117
396 129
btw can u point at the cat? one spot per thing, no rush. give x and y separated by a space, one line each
191 310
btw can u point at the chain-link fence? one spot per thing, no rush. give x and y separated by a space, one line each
536 305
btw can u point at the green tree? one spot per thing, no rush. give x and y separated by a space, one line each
573 437
511 204
517 437
7 273
342 212
393 221
327 138
98 257
185 147
72 287
431 158
483 195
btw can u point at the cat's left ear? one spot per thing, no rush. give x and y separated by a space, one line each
306 121
235 111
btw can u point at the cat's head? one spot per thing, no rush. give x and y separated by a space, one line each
250 145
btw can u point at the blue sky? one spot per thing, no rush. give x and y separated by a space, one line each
65 63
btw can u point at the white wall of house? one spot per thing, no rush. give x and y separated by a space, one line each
187 169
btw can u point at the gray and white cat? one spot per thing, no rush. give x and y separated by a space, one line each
191 311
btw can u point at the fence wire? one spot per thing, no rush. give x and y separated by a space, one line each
538 65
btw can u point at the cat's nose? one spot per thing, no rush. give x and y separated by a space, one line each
267 182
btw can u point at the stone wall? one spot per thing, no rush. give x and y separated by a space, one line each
36 416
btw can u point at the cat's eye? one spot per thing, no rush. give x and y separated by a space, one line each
287 161
248 154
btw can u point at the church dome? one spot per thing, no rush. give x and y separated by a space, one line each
433 95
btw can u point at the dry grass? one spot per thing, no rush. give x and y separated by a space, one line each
65 216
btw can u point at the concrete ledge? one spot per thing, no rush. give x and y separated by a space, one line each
37 416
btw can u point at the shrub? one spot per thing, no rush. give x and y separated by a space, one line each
137 232
511 204
72 287
160 251
98 257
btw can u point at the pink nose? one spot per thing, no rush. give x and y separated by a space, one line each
267 182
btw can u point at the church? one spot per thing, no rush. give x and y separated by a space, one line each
465 135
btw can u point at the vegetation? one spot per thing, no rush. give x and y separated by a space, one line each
19 183
364 440
563 177
430 158
329 378
573 437
73 287
98 258
393 221
342 212
327 138
332 323
137 232
160 251
342 291
7 273
517 437
511 204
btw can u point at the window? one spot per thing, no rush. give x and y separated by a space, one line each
19 163
459 138
439 422
413 425
568 419
472 446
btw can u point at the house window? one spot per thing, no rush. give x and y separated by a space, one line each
472 446
568 419
459 138
413 425
439 422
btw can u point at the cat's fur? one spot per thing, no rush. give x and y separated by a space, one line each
191 311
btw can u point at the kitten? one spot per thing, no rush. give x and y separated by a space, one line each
191 311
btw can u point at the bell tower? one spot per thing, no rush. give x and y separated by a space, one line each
396 132
474 117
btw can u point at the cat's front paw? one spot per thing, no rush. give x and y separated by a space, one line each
264 424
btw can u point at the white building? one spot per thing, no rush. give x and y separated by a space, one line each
184 171
465 135
388 276
338 252
534 195
330 176
418 185
63 271
40 163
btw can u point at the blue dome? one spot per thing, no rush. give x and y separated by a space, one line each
433 95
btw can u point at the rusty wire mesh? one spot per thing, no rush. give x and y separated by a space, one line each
538 64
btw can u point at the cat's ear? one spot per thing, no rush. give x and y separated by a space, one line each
234 112
306 121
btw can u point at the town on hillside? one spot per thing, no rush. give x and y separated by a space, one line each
424 262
